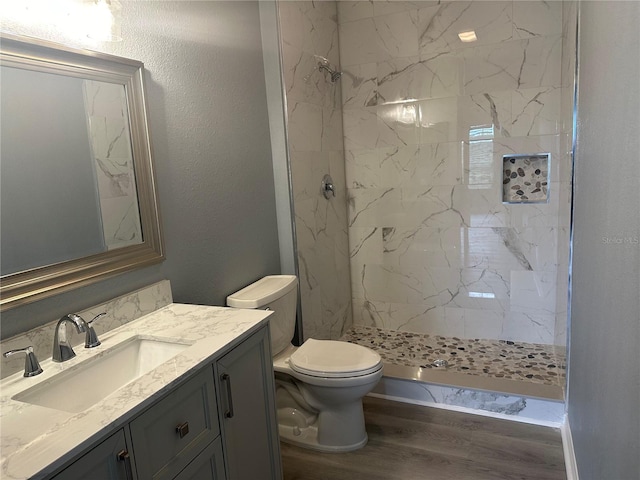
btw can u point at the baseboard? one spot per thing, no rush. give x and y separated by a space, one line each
569 453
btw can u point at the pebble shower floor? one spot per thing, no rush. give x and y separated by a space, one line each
527 362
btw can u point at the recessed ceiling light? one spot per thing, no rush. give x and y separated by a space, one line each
468 36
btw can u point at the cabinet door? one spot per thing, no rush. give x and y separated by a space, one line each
209 465
245 385
169 435
108 461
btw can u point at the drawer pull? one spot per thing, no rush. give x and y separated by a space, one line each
227 379
123 456
183 429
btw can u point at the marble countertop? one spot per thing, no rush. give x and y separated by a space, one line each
36 440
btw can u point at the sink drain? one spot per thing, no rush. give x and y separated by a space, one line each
440 363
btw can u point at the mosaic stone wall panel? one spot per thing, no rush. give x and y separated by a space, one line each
525 178
427 120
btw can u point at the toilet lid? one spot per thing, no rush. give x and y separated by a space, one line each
330 358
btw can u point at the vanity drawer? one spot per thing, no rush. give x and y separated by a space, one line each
176 429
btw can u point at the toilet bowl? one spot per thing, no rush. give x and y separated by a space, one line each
319 385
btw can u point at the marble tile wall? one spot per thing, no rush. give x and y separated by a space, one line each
512 407
309 31
426 121
120 310
107 116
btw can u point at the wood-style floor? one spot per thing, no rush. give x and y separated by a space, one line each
408 442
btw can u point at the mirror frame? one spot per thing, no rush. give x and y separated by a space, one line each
43 56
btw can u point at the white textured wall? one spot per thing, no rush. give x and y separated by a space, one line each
604 360
210 136
427 120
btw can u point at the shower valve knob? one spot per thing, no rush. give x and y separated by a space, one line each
328 189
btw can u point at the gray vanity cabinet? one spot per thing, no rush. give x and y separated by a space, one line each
220 424
246 405
110 460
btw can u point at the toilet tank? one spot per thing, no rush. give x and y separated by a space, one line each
277 293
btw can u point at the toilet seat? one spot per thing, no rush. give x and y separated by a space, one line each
334 359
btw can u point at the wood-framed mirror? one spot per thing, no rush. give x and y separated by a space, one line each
78 195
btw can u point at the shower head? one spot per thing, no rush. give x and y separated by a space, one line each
323 64
335 75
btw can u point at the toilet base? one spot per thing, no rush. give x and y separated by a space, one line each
307 437
327 426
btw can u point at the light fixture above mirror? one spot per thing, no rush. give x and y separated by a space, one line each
99 20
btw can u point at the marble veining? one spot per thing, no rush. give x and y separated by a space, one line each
111 147
513 407
36 440
511 241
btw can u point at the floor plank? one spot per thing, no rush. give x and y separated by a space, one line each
412 442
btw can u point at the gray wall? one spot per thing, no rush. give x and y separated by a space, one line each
604 379
46 168
210 135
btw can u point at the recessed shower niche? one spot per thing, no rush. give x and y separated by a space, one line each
525 178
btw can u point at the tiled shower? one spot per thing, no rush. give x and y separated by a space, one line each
308 32
423 234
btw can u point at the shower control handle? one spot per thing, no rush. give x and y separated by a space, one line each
328 189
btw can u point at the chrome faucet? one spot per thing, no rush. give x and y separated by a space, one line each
62 350
31 365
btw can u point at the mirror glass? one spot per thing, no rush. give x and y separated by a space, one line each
77 193
66 154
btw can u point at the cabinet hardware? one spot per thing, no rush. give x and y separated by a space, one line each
123 456
183 429
227 379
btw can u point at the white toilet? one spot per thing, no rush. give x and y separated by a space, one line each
319 385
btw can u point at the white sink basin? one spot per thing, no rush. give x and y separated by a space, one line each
85 384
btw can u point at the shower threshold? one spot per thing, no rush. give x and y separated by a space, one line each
517 368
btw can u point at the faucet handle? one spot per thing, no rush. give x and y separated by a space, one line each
100 315
91 338
31 365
